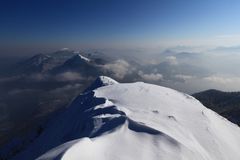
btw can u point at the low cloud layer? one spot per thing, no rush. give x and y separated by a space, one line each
151 76
223 79
119 69
171 60
69 76
183 77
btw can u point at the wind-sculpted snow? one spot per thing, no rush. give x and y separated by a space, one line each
100 82
136 121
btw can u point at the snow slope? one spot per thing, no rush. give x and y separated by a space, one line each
136 121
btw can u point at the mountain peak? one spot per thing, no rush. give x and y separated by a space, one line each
33 64
77 59
100 82
84 58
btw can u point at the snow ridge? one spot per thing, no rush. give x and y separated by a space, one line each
84 58
100 82
136 121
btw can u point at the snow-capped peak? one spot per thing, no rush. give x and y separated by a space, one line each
84 58
37 59
77 59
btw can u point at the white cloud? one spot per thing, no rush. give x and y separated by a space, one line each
68 76
119 68
222 79
184 77
172 60
151 76
66 88
227 36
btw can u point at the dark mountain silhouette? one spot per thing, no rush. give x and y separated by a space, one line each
226 104
80 64
42 63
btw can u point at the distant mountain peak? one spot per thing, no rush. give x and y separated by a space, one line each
39 58
76 60
32 65
84 58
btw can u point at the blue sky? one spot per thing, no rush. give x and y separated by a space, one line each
54 24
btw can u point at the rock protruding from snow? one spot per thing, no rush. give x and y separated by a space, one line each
136 121
100 82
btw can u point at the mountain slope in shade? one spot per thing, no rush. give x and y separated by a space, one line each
226 104
58 62
32 65
80 64
41 63
136 121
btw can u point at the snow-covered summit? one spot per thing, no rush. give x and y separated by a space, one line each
136 121
105 80
100 82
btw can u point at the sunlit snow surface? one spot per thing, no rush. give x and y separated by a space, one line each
137 121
